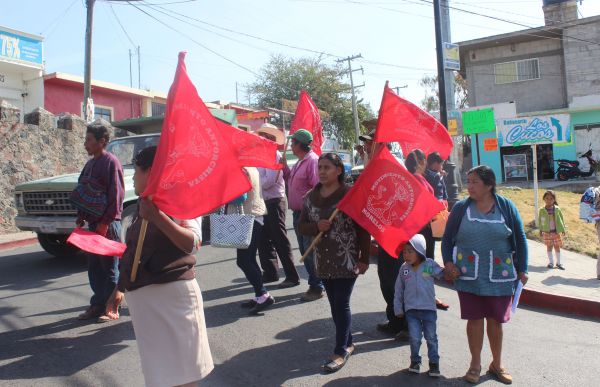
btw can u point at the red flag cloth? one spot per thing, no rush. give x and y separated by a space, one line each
307 117
195 170
96 243
389 202
251 149
404 122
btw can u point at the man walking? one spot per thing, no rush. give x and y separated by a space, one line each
102 212
300 179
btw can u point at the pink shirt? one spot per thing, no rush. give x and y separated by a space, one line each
300 179
424 181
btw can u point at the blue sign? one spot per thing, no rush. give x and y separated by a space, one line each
20 48
534 130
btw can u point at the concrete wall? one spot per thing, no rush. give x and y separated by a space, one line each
582 60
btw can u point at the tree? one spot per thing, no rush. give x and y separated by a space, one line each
283 78
431 101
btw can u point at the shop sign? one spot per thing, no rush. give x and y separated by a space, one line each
478 121
452 126
490 144
20 48
552 129
451 57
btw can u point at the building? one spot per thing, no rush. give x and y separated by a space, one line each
554 69
21 67
112 102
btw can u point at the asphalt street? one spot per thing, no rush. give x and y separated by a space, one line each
42 344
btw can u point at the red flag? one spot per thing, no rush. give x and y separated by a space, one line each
96 243
402 121
195 170
389 202
307 117
251 149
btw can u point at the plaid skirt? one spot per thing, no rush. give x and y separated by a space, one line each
552 239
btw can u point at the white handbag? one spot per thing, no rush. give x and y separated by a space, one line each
231 230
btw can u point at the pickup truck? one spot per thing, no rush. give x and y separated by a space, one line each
43 205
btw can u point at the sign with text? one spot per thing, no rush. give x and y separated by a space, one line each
490 144
453 126
552 129
479 121
20 48
451 56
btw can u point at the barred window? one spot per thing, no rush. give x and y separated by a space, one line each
158 109
517 71
104 113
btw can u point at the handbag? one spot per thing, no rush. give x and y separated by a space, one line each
89 196
438 224
231 230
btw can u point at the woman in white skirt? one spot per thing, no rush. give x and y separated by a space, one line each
165 302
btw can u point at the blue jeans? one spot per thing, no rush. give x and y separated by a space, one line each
103 272
422 322
309 263
339 291
246 260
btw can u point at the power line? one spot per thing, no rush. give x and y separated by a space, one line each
54 23
121 25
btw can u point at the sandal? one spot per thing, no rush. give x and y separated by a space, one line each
473 375
335 363
501 374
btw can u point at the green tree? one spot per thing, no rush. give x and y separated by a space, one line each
283 78
431 101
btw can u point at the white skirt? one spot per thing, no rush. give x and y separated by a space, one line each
168 320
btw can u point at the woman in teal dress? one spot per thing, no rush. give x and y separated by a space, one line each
485 252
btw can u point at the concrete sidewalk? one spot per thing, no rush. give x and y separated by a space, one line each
18 239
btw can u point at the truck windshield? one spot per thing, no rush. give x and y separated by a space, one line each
126 148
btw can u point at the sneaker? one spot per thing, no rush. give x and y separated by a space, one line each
434 370
415 367
312 294
248 304
259 307
550 266
385 327
561 267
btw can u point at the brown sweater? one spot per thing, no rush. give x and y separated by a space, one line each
343 245
161 260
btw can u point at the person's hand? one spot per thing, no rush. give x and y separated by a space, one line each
324 225
361 267
80 222
102 229
284 161
451 272
148 210
523 277
113 303
443 173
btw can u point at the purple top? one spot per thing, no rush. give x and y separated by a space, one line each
271 182
107 170
300 179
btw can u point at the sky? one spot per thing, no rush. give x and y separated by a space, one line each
228 41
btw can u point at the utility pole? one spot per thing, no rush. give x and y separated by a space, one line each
441 15
352 87
397 88
236 93
139 68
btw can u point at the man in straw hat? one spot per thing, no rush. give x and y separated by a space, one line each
274 240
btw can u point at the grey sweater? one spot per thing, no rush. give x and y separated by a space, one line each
414 286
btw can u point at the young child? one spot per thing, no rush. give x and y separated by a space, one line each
414 298
552 227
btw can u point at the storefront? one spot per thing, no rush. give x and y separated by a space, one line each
21 65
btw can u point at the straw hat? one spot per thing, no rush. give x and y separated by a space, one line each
273 131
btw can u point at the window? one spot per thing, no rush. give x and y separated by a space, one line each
158 109
104 113
517 71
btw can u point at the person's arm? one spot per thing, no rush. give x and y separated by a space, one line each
181 237
268 178
364 249
305 226
438 271
451 271
399 294
312 174
115 192
522 252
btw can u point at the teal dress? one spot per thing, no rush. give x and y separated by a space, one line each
483 254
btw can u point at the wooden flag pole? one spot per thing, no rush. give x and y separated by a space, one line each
138 250
317 239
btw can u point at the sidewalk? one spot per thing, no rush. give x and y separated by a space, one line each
18 239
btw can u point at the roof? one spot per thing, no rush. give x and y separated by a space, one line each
154 124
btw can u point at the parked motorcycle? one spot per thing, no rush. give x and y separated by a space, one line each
569 169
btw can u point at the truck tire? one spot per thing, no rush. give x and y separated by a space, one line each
127 218
56 245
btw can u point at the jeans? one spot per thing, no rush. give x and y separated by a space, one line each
103 271
246 260
339 291
387 271
274 242
422 322
309 263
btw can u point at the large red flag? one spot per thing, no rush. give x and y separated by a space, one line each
195 170
95 243
389 202
402 121
251 149
307 117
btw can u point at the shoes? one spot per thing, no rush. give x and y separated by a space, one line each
387 327
248 304
93 311
401 336
288 284
434 370
415 367
335 363
442 306
559 266
550 266
267 279
473 375
501 374
350 350
312 294
259 307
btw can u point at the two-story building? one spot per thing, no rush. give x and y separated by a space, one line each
554 69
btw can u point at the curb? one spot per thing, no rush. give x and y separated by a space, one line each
19 243
562 304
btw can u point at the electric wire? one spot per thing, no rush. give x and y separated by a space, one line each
122 27
55 23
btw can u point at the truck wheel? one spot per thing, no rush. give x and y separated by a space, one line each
127 218
56 245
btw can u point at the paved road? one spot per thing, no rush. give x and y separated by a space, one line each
42 344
